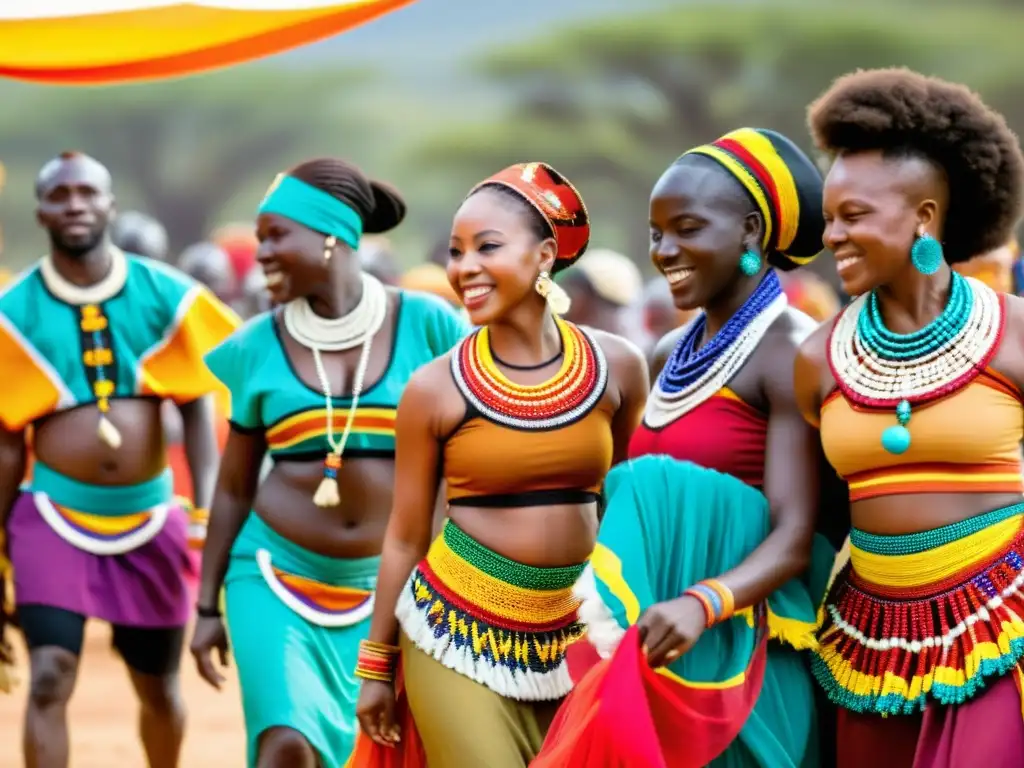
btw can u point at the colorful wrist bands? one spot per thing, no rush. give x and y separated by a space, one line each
716 598
376 661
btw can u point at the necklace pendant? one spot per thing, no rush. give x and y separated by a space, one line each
328 493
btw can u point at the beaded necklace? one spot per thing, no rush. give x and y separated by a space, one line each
874 367
692 375
94 330
564 398
317 334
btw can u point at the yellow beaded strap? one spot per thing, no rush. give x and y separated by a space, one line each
98 359
376 661
575 388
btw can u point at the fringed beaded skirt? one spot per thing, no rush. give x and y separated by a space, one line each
931 616
503 624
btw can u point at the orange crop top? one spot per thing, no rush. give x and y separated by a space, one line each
491 465
966 442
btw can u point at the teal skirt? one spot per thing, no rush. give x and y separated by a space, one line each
667 525
295 619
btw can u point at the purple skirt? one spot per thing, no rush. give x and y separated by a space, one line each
985 732
149 586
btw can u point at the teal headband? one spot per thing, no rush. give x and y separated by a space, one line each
311 207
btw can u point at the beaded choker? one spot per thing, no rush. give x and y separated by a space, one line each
564 398
692 375
874 367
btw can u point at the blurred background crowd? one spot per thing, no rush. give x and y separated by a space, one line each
441 94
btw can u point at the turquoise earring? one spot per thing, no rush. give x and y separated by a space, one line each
750 263
926 254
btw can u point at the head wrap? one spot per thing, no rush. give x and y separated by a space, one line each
313 208
785 186
554 198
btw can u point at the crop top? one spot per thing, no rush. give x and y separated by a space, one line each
268 396
487 463
966 442
148 340
723 433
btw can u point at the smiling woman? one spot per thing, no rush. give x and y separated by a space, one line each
917 389
314 384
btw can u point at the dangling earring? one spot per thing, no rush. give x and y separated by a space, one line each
329 244
926 254
750 263
556 297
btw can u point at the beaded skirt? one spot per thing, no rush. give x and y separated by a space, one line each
925 616
503 624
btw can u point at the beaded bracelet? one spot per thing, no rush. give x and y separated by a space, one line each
376 661
716 598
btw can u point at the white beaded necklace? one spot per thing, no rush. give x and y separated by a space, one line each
318 334
665 407
860 371
78 295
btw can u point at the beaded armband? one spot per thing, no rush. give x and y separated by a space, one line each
716 598
376 661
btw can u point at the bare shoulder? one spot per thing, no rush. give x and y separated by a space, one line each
663 349
789 331
619 351
430 396
625 360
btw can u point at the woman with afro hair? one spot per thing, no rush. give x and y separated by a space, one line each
916 389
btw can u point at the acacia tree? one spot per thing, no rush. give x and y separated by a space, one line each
181 149
613 103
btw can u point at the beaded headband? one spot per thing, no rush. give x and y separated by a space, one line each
784 184
554 198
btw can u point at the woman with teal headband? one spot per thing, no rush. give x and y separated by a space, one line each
314 384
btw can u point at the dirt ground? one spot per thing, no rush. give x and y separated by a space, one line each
103 715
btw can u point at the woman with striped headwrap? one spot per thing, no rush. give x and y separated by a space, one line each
700 588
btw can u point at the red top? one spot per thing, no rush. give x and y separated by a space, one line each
722 433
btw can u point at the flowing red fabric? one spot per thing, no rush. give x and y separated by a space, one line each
408 753
623 714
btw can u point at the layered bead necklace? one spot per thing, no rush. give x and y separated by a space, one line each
94 328
564 398
874 367
319 334
692 375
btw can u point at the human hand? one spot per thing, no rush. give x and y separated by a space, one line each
210 634
376 712
670 628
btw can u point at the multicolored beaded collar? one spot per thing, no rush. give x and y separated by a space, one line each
874 367
693 374
564 398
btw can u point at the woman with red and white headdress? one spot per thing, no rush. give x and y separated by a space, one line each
522 421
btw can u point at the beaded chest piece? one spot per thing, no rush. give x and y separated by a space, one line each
564 398
693 375
874 367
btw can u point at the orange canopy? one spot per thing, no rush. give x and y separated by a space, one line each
122 41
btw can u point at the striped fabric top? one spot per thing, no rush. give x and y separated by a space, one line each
148 340
968 442
267 395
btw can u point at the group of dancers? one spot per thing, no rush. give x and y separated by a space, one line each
483 538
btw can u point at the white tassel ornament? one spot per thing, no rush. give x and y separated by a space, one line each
108 433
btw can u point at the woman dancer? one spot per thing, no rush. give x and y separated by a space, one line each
724 217
315 384
917 386
522 421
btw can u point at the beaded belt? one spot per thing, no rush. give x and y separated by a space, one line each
925 615
503 624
